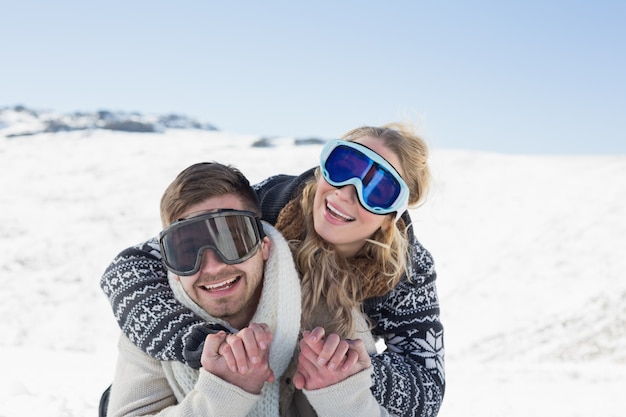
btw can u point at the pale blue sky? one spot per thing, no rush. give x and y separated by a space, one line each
518 77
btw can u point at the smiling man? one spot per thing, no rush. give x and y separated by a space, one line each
233 271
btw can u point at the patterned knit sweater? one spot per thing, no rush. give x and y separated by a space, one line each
408 377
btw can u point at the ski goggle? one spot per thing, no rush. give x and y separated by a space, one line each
234 236
381 190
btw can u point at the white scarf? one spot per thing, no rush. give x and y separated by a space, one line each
279 307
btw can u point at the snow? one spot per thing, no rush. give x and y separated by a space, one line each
529 252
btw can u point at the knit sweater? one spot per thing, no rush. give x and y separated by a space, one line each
145 386
408 377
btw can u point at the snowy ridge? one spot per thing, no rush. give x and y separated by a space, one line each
21 121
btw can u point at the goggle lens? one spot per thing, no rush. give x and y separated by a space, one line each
233 235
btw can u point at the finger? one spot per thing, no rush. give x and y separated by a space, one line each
307 352
314 339
251 348
263 334
316 335
338 355
226 353
357 357
330 345
350 359
358 346
212 342
307 367
236 345
298 380
313 376
210 350
355 343
271 378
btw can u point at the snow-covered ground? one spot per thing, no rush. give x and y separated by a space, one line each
530 252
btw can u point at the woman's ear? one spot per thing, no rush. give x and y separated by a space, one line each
388 223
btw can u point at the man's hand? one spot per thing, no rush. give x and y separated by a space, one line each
326 361
241 359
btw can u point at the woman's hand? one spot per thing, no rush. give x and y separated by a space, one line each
324 361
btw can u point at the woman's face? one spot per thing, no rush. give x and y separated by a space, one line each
338 216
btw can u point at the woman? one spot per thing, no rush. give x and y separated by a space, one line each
350 236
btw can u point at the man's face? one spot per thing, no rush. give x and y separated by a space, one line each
229 292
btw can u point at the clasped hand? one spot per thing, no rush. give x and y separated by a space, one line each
242 359
324 361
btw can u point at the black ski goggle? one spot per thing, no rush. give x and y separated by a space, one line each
234 236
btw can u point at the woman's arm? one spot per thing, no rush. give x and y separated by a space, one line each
143 303
408 378
146 310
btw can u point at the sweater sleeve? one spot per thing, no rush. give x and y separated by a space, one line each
145 308
141 388
349 398
408 376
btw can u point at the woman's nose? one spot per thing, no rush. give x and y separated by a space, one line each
347 193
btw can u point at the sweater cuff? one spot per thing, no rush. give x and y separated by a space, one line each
222 395
350 397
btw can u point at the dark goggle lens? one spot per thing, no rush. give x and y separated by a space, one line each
234 238
382 190
379 187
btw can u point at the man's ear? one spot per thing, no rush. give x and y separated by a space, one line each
266 246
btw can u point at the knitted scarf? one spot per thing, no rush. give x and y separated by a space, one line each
291 224
279 307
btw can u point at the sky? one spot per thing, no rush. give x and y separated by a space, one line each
530 278
499 76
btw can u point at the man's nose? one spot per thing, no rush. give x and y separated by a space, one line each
211 263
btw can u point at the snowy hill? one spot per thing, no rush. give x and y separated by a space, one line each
21 121
528 249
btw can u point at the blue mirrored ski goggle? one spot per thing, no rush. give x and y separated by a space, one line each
381 190
234 236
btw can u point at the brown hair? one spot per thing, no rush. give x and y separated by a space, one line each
201 181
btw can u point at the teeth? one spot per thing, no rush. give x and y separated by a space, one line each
338 213
222 285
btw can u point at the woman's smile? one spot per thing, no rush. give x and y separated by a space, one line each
336 213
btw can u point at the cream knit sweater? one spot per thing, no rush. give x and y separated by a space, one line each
279 307
144 386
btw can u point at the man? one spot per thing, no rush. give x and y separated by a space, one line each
237 274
